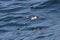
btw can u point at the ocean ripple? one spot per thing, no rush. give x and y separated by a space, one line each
15 24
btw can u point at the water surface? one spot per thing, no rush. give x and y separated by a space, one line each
14 24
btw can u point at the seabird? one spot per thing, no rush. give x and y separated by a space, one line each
33 17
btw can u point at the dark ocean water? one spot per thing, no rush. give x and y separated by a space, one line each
14 24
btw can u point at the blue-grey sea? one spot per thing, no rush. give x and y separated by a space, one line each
16 23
